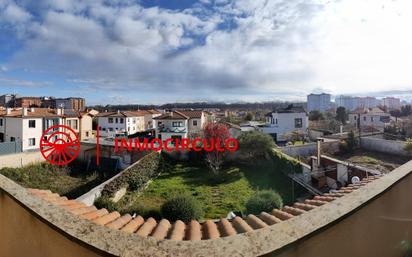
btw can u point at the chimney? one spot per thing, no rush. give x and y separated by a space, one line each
59 111
320 140
118 111
8 110
171 114
32 109
24 111
341 129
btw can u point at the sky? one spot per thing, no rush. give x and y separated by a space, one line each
158 51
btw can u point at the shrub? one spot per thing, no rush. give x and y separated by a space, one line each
105 202
181 207
265 200
256 144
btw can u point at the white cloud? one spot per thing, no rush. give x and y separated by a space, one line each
263 48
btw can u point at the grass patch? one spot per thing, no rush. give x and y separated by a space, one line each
217 197
65 181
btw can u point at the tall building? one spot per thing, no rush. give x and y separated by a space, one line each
75 103
27 101
391 103
351 103
319 102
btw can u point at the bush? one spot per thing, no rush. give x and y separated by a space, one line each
256 144
105 202
265 200
182 207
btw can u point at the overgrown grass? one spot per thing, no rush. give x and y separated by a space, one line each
62 180
217 197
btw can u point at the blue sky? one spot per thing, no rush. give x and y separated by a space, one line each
156 51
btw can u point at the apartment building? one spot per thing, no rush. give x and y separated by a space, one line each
281 122
391 103
181 124
75 103
319 102
27 101
352 103
27 125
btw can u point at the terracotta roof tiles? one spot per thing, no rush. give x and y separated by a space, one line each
193 230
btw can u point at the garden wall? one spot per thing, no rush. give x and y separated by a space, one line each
331 146
383 145
19 160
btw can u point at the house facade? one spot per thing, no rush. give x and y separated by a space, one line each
181 124
369 117
27 125
282 122
125 122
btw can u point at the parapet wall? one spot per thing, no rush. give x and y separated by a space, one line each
372 220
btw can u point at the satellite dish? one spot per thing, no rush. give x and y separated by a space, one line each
355 180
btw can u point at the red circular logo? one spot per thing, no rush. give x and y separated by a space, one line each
59 145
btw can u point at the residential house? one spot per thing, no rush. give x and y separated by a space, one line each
181 124
27 125
281 122
126 122
369 117
27 101
86 124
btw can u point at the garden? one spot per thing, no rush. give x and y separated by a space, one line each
207 187
71 180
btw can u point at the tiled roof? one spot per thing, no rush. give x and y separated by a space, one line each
39 112
127 113
195 114
193 230
174 115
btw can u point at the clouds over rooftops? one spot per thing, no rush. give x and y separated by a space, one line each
214 47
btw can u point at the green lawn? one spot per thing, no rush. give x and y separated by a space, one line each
217 198
63 181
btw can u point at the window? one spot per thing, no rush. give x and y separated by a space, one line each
177 124
372 119
1 122
134 120
104 129
110 129
32 123
298 123
195 123
121 120
354 117
364 118
12 139
32 141
276 121
110 120
117 120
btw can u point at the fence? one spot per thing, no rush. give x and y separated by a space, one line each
10 147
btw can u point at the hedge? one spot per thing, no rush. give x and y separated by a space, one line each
285 163
137 176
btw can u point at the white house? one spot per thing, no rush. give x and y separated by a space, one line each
181 124
126 122
27 125
281 122
372 117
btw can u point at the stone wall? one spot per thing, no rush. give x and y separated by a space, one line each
384 146
20 159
